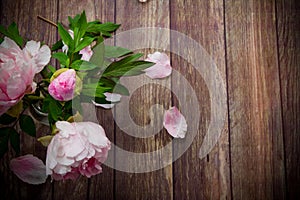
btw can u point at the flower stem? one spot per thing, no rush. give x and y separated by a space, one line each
47 20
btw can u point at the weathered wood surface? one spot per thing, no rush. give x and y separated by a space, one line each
255 45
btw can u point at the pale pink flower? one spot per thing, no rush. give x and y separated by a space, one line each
112 97
162 67
62 88
175 123
78 148
17 70
85 52
29 169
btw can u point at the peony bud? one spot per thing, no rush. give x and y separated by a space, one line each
64 85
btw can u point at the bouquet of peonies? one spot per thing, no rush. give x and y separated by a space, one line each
87 71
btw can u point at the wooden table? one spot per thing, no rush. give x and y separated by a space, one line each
256 47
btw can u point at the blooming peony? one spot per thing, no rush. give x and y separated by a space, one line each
17 70
62 88
162 67
78 148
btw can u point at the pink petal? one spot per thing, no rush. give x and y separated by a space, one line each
113 97
175 123
106 106
161 69
65 128
40 55
9 43
94 133
86 53
29 169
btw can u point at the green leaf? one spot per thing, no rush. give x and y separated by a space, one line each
82 23
115 52
27 125
14 138
121 89
103 28
115 87
3 30
4 136
83 65
73 21
66 37
46 102
61 57
94 90
120 63
55 110
129 69
1 40
83 43
13 33
58 45
51 68
98 55
6 119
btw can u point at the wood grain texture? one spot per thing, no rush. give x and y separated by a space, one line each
102 185
155 184
255 45
257 158
208 178
24 13
78 189
288 18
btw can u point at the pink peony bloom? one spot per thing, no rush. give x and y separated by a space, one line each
17 70
175 123
86 52
112 97
29 169
162 68
62 88
78 148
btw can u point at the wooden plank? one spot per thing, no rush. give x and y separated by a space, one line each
25 15
102 186
289 62
257 159
9 183
154 184
207 178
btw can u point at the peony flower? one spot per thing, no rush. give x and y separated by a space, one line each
78 148
175 123
112 97
63 86
162 67
17 70
29 169
85 52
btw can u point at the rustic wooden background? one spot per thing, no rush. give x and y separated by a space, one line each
256 46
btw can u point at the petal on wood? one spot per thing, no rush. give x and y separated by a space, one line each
162 67
175 123
29 169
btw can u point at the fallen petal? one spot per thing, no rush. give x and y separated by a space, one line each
113 97
29 169
175 123
162 67
106 106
